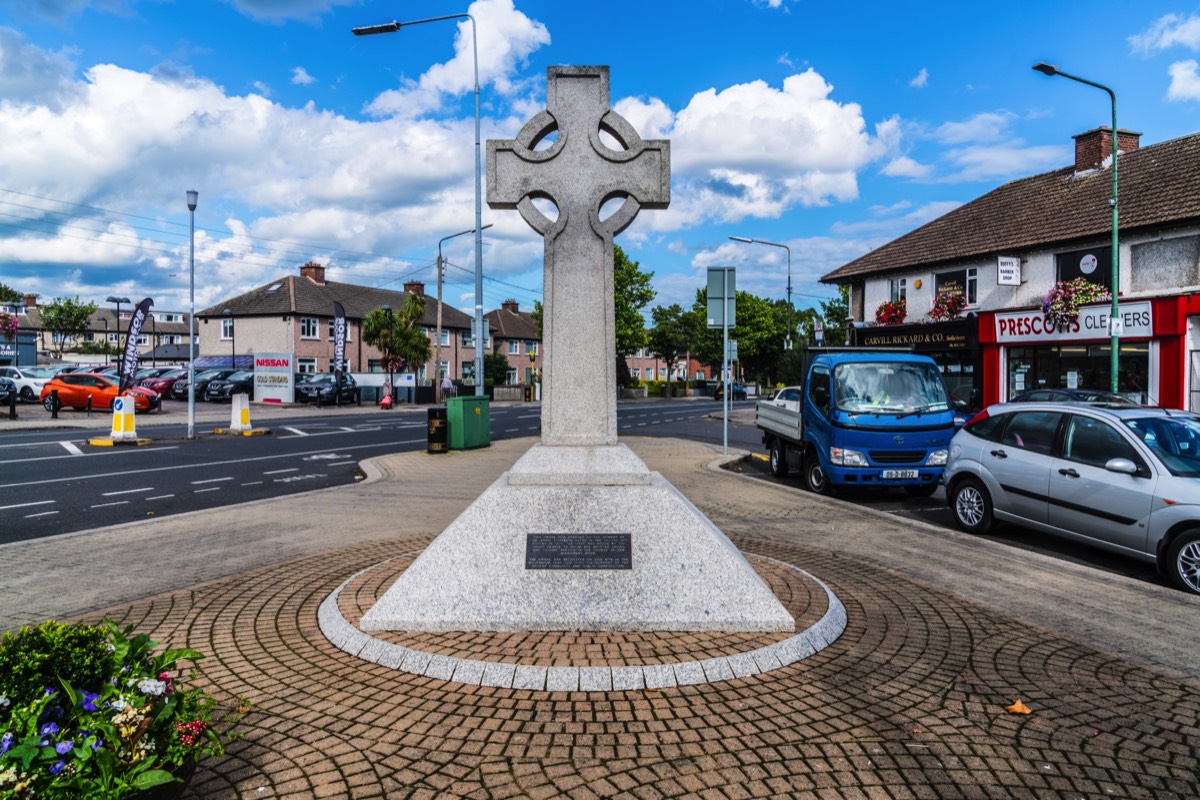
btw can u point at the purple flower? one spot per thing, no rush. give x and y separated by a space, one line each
89 701
6 742
49 729
57 768
62 748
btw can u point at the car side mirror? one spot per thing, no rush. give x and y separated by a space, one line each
1121 465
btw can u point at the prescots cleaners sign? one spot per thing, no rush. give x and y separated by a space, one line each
1034 326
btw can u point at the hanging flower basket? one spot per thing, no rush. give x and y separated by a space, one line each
1062 302
947 305
8 324
891 312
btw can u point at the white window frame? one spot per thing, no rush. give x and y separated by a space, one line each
898 289
226 329
514 347
306 365
972 288
314 323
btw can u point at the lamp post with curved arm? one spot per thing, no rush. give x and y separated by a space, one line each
1114 317
787 342
392 27
192 197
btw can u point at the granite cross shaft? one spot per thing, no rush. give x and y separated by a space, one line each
578 173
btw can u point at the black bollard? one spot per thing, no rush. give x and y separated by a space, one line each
318 398
89 405
12 404
54 404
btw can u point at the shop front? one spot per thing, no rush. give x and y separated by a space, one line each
954 345
1157 361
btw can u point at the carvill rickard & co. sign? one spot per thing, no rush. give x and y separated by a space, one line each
922 337
1034 326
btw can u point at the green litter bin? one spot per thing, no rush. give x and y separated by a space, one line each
469 420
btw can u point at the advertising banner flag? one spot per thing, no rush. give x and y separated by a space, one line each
129 361
339 340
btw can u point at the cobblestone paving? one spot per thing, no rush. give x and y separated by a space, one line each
908 703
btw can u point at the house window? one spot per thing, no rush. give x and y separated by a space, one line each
532 349
310 328
143 340
331 330
115 338
333 365
972 286
510 377
514 347
636 372
959 281
226 329
445 337
1094 266
898 289
443 370
306 366
171 338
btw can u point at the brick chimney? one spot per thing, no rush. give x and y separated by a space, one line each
415 287
1094 146
314 272
510 306
31 301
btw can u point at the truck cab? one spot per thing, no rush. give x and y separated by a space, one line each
862 419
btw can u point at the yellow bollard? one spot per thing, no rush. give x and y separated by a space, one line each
123 426
239 421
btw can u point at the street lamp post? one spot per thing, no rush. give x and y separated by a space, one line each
153 342
791 316
392 27
437 347
1114 317
192 197
105 321
232 339
118 301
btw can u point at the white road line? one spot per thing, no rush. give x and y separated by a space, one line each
71 448
212 480
27 505
342 463
106 505
296 431
511 430
281 471
209 489
127 491
253 483
42 514
160 497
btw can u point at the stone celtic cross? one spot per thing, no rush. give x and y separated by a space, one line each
578 172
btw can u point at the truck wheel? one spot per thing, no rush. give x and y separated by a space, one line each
1183 561
815 477
972 506
779 465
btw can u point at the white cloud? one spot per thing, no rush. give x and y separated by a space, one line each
988 163
1166 32
885 225
301 77
279 11
905 167
921 80
30 74
989 126
1185 82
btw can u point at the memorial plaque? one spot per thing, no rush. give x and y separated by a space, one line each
578 551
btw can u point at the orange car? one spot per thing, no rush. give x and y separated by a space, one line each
74 389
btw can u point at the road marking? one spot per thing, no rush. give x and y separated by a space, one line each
253 483
326 456
127 491
71 448
160 497
209 489
212 480
281 471
27 505
341 463
296 431
41 514
106 505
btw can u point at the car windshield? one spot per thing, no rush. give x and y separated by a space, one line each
244 375
881 387
1175 440
209 375
323 378
38 372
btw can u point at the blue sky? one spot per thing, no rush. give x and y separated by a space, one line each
829 127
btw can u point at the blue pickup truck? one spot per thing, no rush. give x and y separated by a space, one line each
870 419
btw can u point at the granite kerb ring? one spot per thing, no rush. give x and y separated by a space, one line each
506 675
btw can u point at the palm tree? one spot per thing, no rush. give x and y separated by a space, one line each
398 335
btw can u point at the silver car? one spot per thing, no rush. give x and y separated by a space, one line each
1124 479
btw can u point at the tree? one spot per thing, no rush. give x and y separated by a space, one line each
671 336
65 319
837 316
9 294
398 335
631 293
495 368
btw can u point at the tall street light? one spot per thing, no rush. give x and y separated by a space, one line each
392 27
791 316
118 301
437 347
192 197
1114 317
232 339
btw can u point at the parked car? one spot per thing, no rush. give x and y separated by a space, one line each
179 390
75 388
737 391
324 385
163 383
1072 395
1126 479
241 382
29 383
145 373
8 388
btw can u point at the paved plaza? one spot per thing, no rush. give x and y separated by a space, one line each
942 632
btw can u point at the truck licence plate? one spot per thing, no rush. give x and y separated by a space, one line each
899 474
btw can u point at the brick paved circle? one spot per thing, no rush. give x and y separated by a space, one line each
907 703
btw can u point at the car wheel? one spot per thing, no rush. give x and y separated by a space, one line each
921 491
27 394
815 477
50 402
1183 561
779 465
972 506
